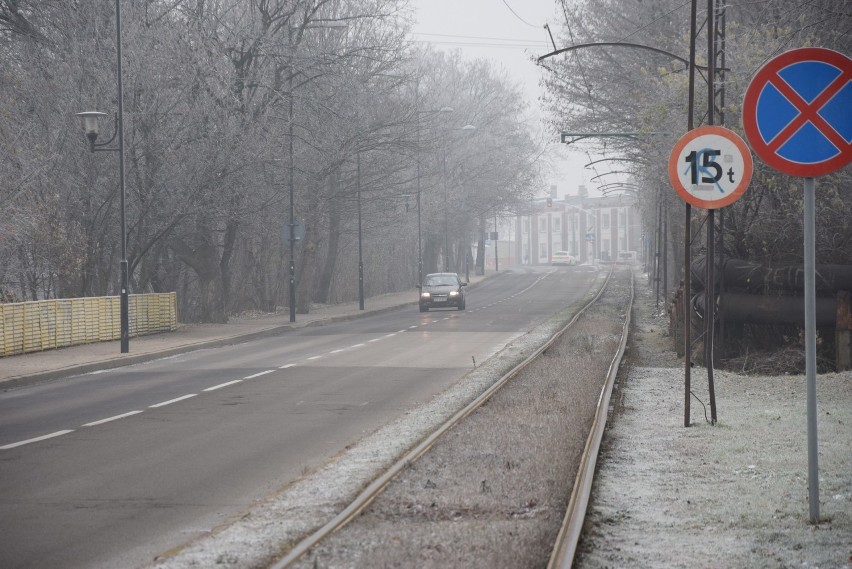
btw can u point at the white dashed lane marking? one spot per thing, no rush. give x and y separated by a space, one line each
259 374
114 418
221 385
37 439
170 401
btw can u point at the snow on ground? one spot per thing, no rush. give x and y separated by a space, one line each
730 495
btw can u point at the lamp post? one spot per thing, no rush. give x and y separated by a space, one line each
90 121
360 250
291 160
419 226
496 235
484 235
291 234
467 127
446 215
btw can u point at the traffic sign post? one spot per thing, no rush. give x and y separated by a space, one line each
710 167
797 115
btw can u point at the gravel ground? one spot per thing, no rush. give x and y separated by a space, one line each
730 495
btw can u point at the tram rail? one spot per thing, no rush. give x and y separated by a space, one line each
567 538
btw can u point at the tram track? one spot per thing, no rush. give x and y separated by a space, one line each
600 328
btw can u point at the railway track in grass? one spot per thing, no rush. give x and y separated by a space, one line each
505 482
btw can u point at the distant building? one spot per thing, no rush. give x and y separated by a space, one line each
588 228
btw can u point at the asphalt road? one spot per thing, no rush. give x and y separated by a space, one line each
111 469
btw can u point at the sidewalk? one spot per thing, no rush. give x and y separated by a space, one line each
53 364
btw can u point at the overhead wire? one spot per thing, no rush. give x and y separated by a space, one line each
517 16
477 41
577 56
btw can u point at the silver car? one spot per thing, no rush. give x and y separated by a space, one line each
442 290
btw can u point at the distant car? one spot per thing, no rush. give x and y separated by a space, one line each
563 258
628 257
441 290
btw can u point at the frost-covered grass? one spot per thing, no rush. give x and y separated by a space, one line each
730 495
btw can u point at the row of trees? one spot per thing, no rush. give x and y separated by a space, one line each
620 88
625 88
225 103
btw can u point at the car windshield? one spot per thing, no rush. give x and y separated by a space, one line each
441 280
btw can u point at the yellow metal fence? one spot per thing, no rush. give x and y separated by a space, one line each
47 324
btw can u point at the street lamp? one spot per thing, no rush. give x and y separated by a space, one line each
291 234
90 120
467 127
419 227
496 236
360 249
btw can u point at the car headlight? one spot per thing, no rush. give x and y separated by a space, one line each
454 293
425 295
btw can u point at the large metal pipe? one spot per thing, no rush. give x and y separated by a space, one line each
756 278
765 309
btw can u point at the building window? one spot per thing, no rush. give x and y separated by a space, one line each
604 221
542 250
526 225
557 224
622 217
542 225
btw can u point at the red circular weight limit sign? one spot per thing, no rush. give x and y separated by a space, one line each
797 112
710 167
